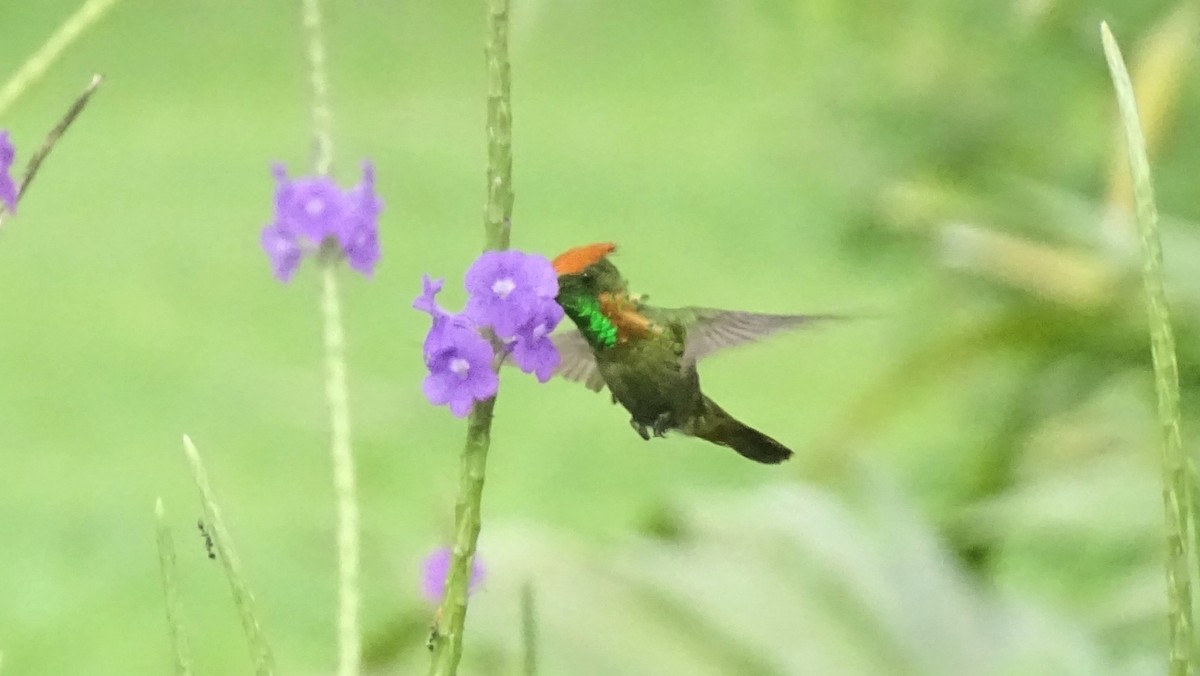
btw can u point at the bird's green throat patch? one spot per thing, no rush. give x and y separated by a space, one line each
586 312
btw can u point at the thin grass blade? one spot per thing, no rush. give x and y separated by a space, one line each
36 65
260 651
1177 487
170 580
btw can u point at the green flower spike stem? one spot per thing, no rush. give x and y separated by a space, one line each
170 580
349 633
260 652
448 640
337 392
1176 488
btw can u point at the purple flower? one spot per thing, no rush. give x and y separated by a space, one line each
460 367
533 351
427 301
312 207
506 289
458 358
360 237
283 250
509 291
8 188
437 568
313 214
444 323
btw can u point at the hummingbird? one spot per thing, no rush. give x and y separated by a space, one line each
646 356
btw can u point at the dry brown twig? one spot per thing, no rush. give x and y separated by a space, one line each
35 162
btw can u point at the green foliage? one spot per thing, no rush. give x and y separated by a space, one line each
780 580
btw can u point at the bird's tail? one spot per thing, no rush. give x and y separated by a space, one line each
721 428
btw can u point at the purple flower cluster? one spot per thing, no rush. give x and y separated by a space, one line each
510 292
437 568
314 215
8 187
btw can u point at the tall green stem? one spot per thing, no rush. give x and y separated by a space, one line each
322 116
447 650
1176 481
345 492
90 12
336 390
497 217
448 644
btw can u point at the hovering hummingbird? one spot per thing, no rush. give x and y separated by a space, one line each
647 355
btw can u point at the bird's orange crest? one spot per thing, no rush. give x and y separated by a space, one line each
574 261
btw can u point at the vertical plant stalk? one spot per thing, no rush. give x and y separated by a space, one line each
497 218
349 634
260 651
321 112
529 633
336 390
1176 489
36 65
448 642
170 580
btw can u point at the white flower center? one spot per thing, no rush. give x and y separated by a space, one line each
314 207
503 287
460 367
539 331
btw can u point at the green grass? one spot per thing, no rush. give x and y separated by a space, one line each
737 156
170 582
222 545
1177 476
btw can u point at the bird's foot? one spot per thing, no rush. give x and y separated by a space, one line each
661 424
639 428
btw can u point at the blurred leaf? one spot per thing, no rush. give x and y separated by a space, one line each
783 580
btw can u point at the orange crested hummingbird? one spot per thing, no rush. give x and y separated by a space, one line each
647 355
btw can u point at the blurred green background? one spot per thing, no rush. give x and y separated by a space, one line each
976 484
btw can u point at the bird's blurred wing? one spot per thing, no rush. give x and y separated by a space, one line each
576 361
713 330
